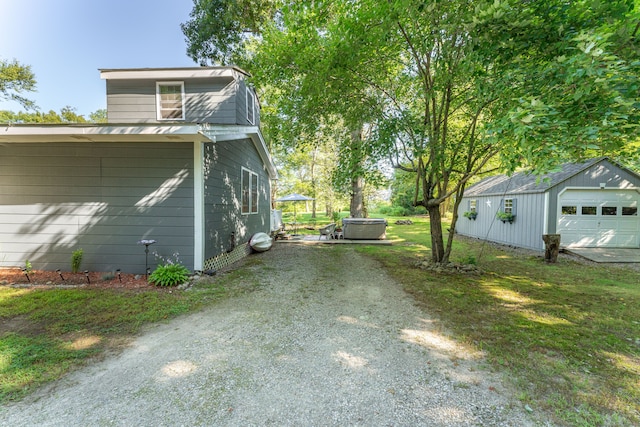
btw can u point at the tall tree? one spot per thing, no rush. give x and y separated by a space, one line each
15 79
449 85
218 30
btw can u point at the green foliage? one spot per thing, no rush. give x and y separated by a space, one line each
66 115
217 30
169 275
15 79
98 116
505 216
470 214
28 268
76 260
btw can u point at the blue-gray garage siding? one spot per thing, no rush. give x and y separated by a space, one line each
526 231
101 197
536 201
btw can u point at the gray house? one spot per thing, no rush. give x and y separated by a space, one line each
590 204
181 161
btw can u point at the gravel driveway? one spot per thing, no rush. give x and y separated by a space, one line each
328 339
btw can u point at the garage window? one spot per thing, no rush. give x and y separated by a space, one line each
609 210
569 210
508 206
473 205
629 211
589 210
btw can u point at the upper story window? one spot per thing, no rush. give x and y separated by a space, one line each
251 107
170 100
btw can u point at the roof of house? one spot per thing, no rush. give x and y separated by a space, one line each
171 73
526 182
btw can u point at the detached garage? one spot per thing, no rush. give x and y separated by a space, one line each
590 204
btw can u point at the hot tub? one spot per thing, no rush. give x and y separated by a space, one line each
364 228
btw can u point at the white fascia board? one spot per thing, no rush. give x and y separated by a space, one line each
102 133
168 73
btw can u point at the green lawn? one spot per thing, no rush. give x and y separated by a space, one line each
45 333
567 335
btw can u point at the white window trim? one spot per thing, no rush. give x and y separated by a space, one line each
508 209
158 105
250 96
250 195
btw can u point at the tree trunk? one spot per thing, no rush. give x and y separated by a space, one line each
551 247
356 209
437 241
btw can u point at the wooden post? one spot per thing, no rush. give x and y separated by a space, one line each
551 247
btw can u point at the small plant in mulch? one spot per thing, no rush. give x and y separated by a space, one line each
169 272
76 260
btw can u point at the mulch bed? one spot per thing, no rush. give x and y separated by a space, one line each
39 278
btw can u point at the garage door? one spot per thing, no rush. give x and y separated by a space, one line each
599 218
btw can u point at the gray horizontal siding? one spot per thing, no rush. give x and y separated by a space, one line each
101 197
207 101
223 163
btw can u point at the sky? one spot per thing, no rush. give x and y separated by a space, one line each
66 42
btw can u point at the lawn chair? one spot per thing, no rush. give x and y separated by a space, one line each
327 231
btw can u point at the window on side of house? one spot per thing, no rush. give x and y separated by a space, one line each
569 210
473 205
170 100
249 192
251 107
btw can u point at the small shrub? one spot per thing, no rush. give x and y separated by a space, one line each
28 268
384 210
399 211
76 260
169 275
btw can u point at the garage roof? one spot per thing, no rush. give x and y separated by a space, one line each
526 182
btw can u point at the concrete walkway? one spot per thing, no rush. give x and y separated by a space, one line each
608 255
